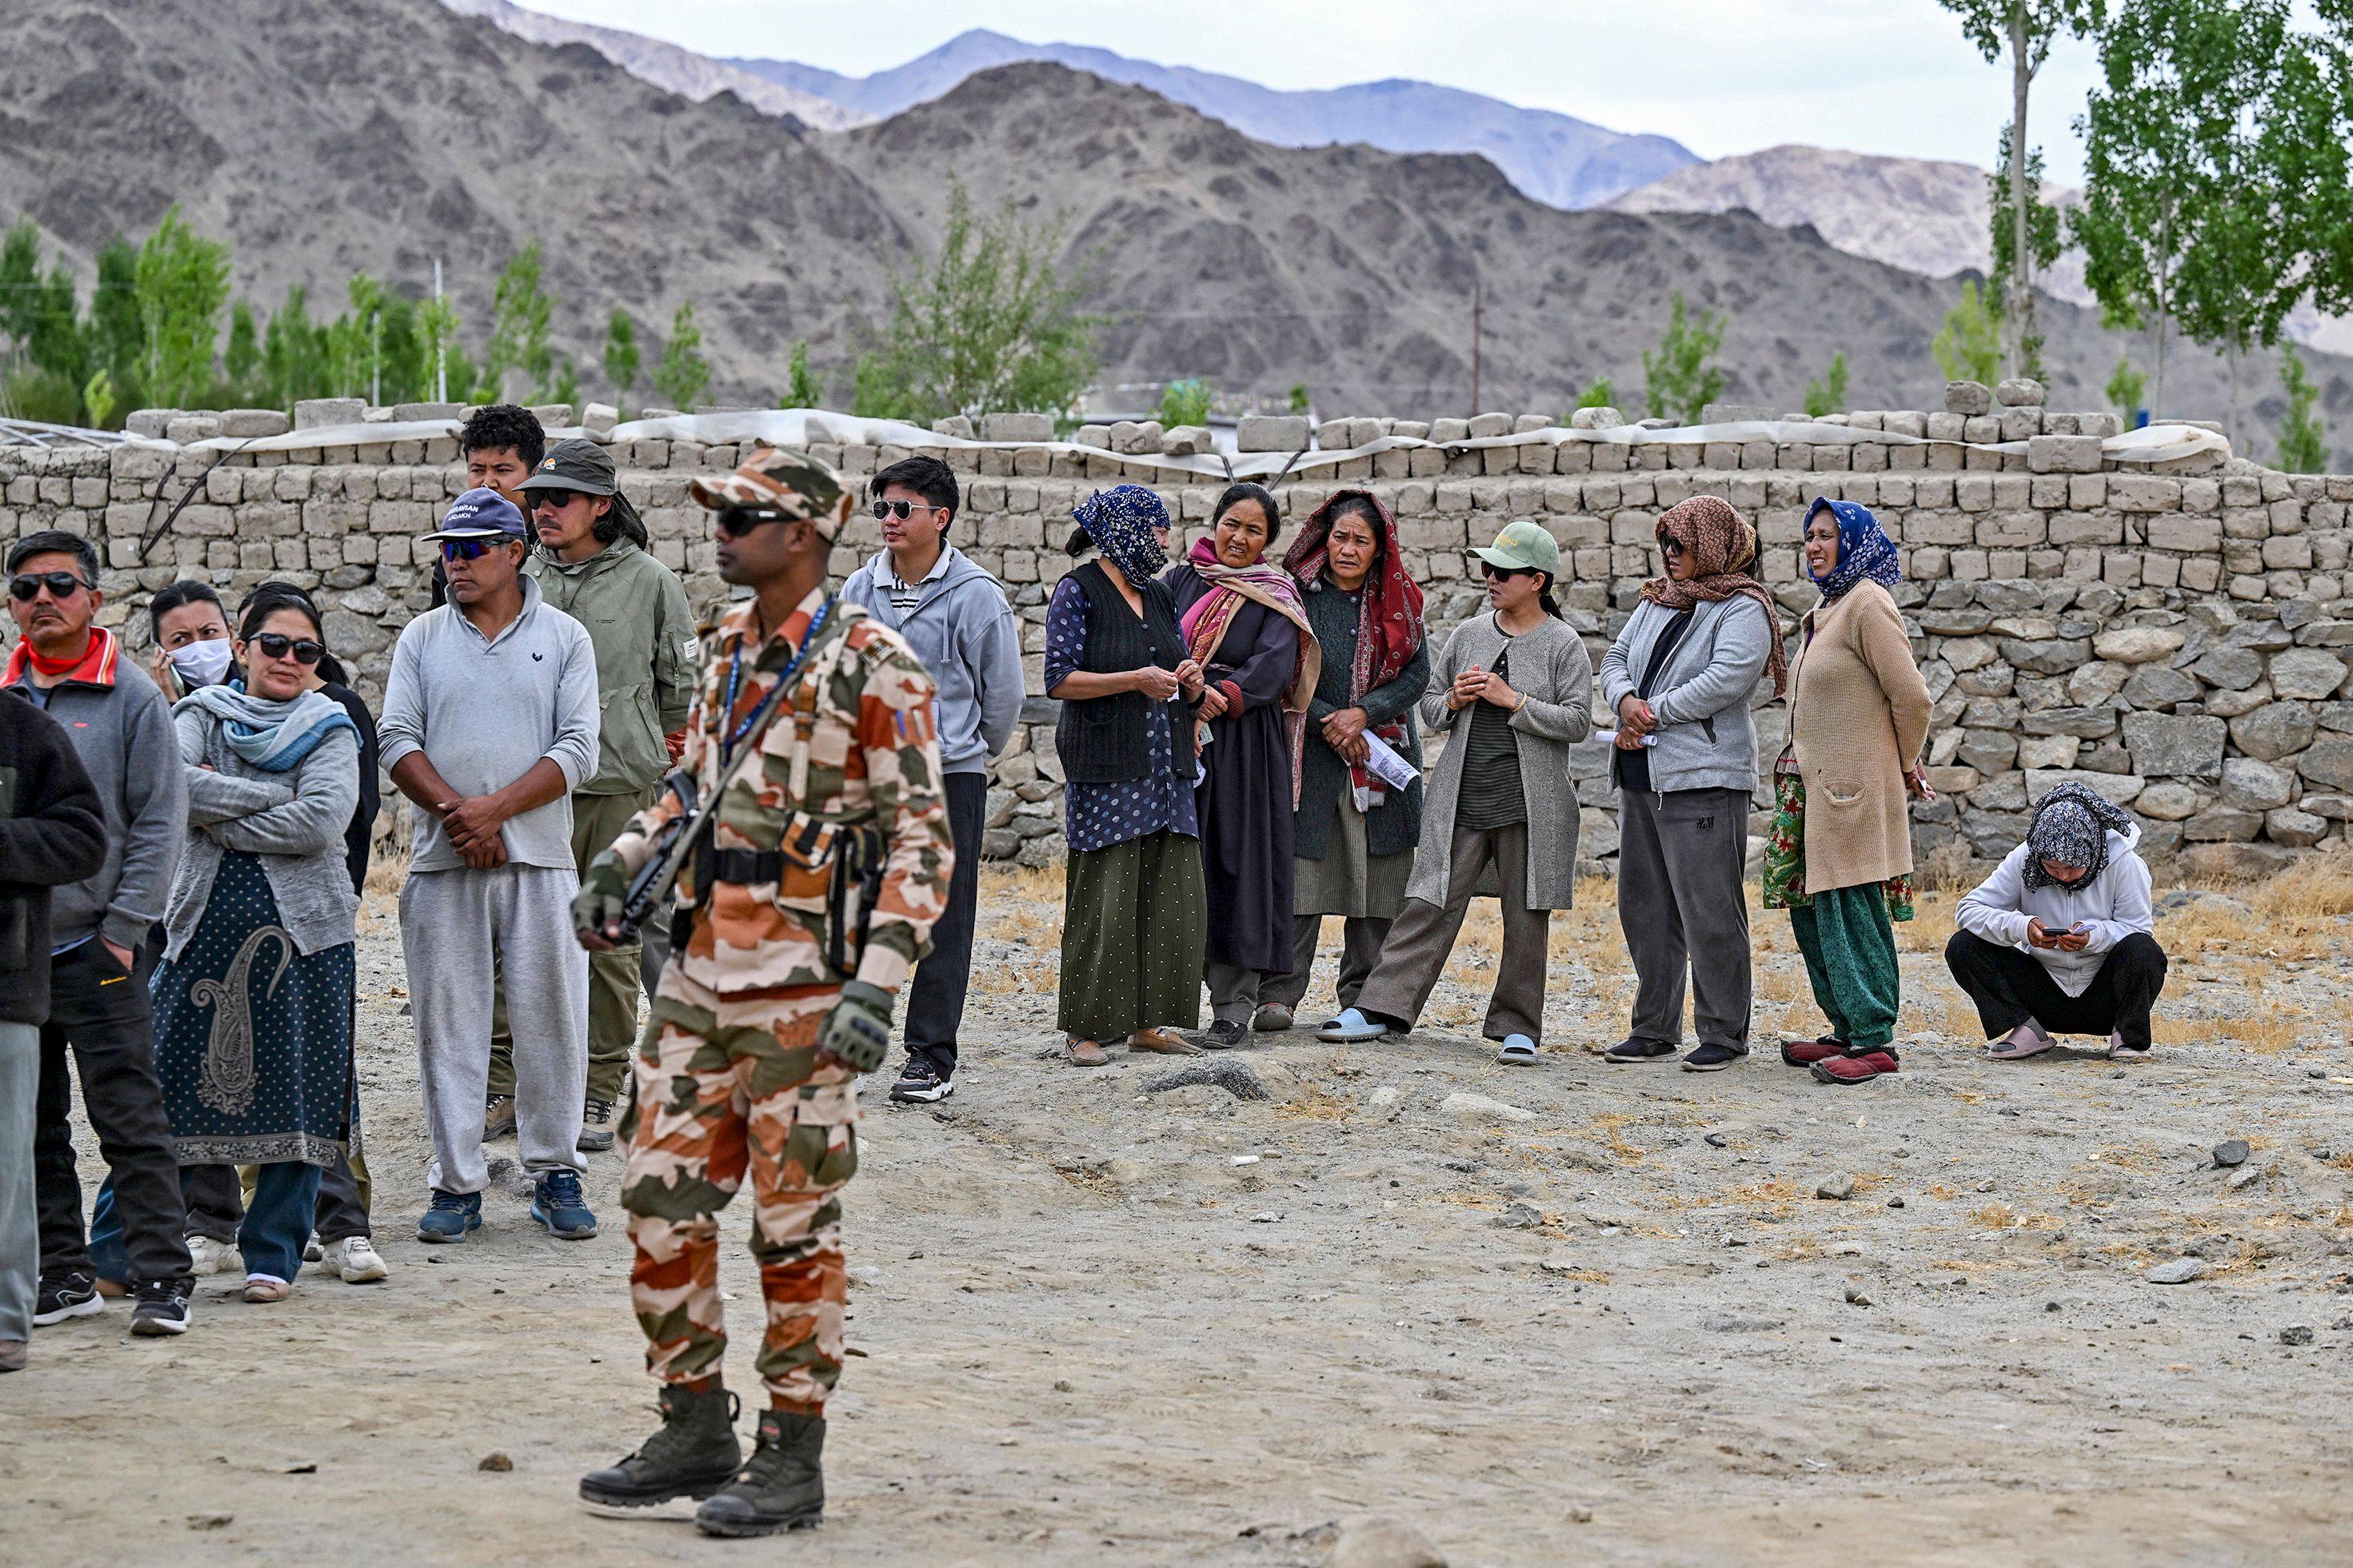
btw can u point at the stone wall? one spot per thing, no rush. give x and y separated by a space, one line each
2140 612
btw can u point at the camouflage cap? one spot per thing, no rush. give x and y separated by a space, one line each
785 479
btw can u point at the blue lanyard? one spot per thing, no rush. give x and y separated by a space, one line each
784 680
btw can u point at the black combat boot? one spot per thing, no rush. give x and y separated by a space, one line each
695 1453
781 1488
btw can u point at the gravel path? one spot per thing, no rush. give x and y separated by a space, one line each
1567 1313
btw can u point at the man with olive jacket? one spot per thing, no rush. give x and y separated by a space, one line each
592 563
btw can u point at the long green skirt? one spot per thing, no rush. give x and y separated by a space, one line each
1135 924
1849 951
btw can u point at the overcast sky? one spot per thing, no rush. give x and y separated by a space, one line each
1720 76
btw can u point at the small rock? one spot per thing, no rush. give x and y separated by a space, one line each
496 1459
1856 1298
1061 1386
1839 1186
1714 1140
1579 1515
2180 1271
210 1521
2245 1176
1265 1216
1385 1102
2231 1152
1518 1216
2296 1334
1732 1325
1895 1202
1463 1106
1234 1076
1379 1542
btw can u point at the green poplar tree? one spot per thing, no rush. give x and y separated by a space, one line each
1969 345
1681 377
683 374
2303 443
181 285
520 310
801 388
1828 396
621 354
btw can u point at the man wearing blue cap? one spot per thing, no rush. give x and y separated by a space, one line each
490 723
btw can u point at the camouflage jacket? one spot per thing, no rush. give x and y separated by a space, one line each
855 743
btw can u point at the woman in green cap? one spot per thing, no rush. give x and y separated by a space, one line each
1513 691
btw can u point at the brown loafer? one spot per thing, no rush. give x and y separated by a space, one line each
1162 1042
1084 1053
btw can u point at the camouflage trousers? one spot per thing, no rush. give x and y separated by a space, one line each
727 1085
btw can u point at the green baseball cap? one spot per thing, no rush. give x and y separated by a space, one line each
575 465
1524 546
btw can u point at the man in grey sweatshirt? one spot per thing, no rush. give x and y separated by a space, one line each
955 616
490 723
97 978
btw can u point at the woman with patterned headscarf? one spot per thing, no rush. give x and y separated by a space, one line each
1353 834
1135 912
1679 678
2060 939
1842 831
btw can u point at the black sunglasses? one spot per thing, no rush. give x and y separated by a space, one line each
277 645
61 584
554 498
1671 545
900 509
469 549
1497 573
736 521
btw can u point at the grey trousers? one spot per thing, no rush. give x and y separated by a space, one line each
1360 951
20 1231
1683 909
452 925
1424 935
1235 992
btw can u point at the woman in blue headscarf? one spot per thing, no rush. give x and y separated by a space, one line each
1840 857
1135 909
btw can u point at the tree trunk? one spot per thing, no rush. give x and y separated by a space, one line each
2232 353
2157 408
2021 267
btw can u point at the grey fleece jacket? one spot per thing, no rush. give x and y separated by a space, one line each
1700 697
291 822
967 636
122 733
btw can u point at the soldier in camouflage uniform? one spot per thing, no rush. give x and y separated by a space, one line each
750 1060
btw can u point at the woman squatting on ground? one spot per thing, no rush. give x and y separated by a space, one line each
2060 939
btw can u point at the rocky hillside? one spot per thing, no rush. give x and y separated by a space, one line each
320 137
1556 159
681 70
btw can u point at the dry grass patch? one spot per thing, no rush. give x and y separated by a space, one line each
1312 1104
2002 1216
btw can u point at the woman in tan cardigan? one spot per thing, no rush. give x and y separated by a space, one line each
1858 718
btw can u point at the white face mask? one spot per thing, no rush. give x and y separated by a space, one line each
202 663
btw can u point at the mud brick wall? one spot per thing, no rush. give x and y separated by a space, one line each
2165 629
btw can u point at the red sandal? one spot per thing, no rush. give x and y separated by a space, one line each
1805 1053
1855 1069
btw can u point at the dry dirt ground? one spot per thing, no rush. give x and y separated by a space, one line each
1093 1324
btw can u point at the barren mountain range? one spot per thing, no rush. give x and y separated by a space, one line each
319 137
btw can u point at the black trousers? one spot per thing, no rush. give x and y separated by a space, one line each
935 1000
101 1014
2010 987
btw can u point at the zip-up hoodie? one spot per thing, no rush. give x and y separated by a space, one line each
968 637
52 831
121 731
2114 905
634 608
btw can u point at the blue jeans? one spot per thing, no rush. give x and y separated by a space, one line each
276 1228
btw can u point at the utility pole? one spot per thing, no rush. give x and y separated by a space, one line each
440 350
1477 303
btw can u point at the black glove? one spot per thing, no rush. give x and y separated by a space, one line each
603 888
856 1033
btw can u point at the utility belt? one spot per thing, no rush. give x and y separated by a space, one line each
851 858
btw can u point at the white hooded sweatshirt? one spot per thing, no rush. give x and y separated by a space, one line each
2112 905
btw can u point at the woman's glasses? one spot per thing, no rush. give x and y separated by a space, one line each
61 584
1671 545
1501 573
277 645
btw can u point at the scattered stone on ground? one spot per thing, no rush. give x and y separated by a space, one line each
1379 1542
2180 1271
1233 1076
496 1459
1463 1106
2231 1152
2296 1334
1839 1186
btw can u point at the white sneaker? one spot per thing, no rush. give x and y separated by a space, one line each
207 1255
356 1261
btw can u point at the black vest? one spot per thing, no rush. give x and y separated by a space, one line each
1103 740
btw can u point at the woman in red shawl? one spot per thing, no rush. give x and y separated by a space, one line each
1242 621
1352 837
